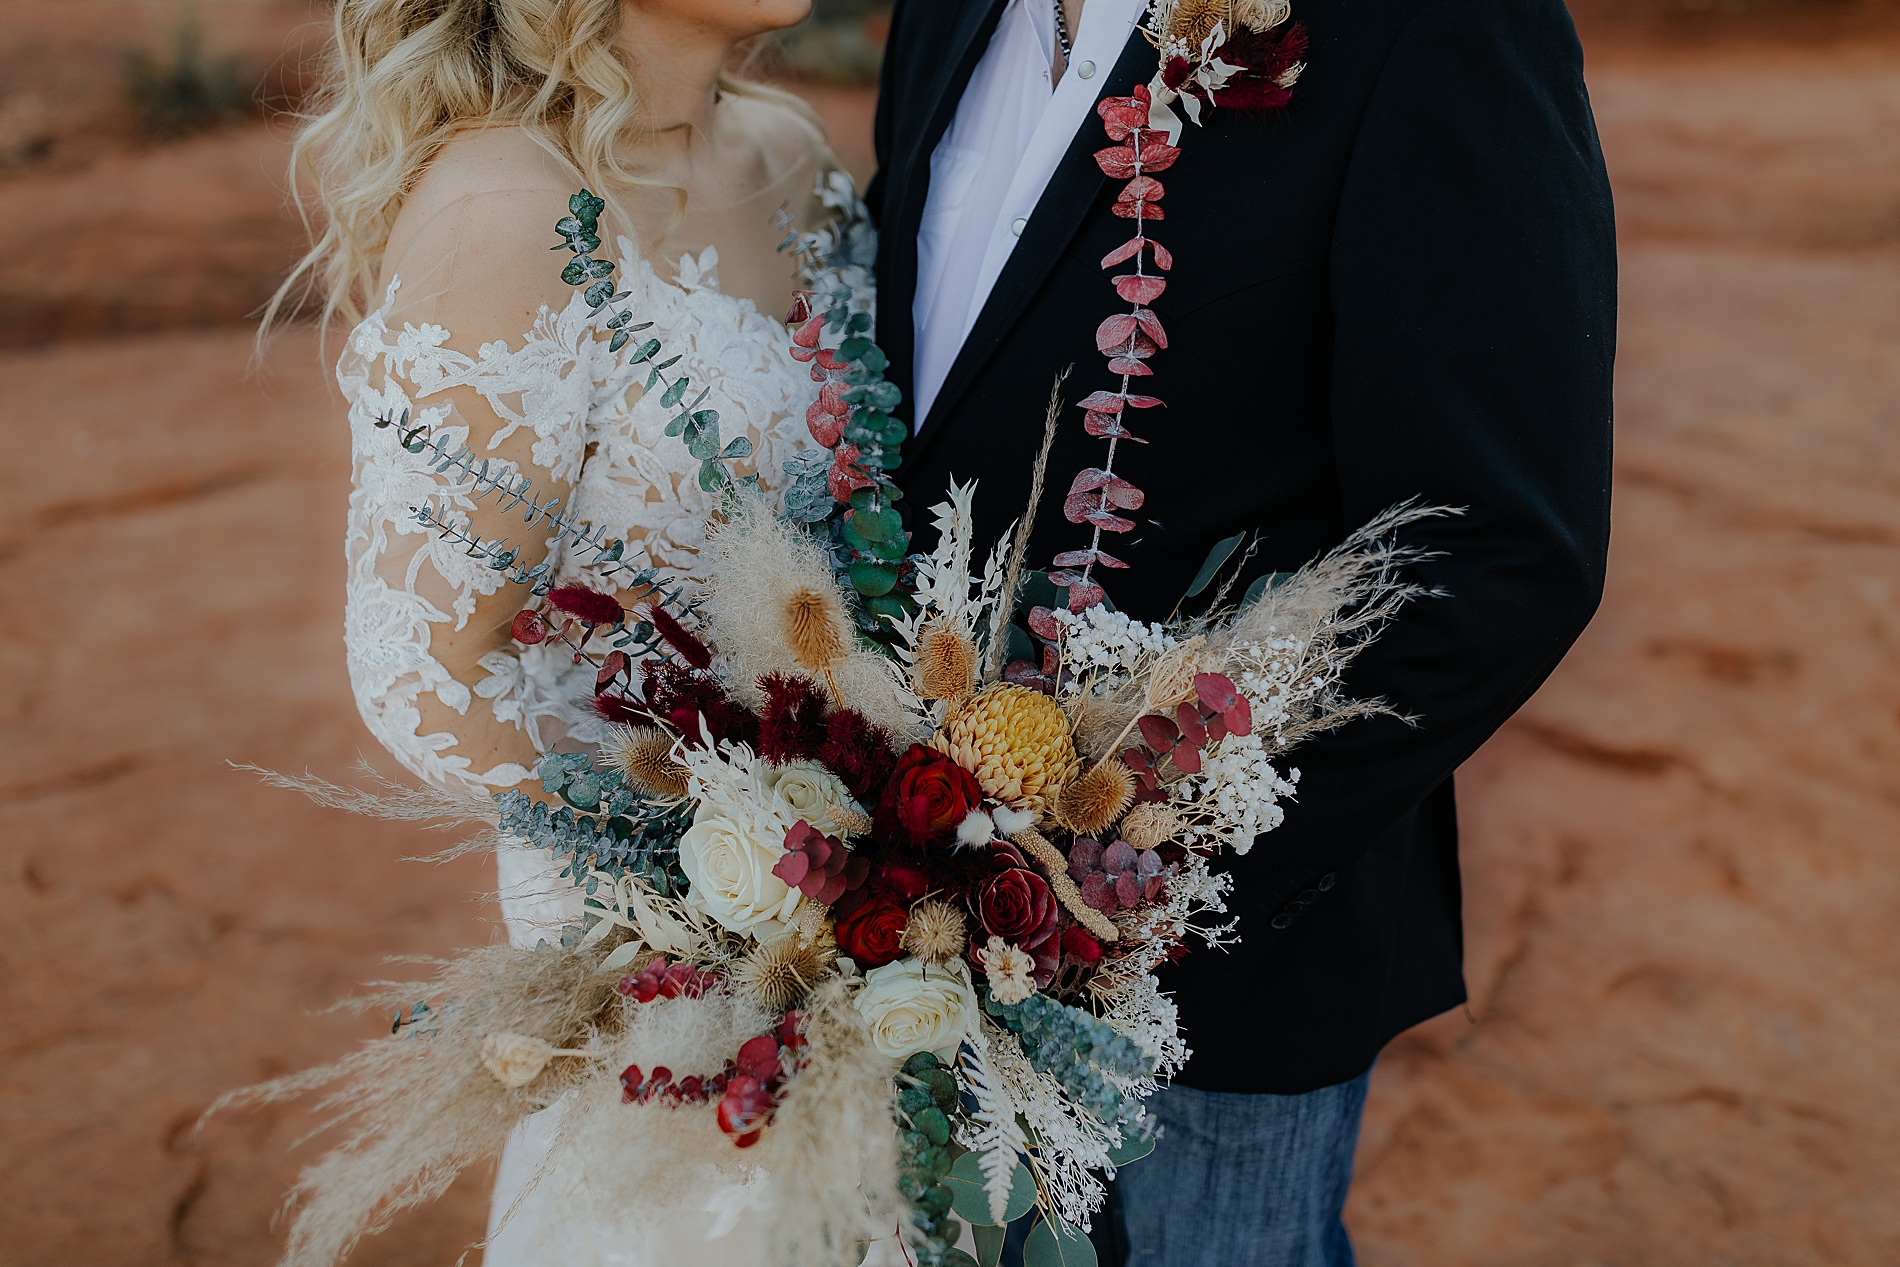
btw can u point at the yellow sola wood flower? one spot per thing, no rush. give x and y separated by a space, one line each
1016 741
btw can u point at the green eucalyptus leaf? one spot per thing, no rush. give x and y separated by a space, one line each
878 525
675 392
989 1243
891 551
972 1202
954 1257
853 348
1216 559
1261 585
875 360
712 476
618 341
1056 1244
872 579
1131 1148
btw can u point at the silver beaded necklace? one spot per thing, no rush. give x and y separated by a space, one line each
1062 35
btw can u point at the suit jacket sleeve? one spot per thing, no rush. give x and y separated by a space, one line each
882 122
1473 292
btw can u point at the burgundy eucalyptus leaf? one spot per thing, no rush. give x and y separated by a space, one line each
1043 623
1158 732
528 629
1119 493
1089 479
1137 289
1109 426
1102 402
1150 326
1077 507
1114 333
1164 259
1216 690
612 667
1122 117
1239 718
1127 365
1188 718
1187 759
1157 155
1144 402
1125 252
1117 161
1132 210
1108 522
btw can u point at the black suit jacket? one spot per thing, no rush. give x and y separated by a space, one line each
1401 286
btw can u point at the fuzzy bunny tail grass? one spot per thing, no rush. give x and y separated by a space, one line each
832 1149
419 1106
760 569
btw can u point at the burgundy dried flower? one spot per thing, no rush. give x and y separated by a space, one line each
661 980
818 866
857 751
691 649
1119 877
586 605
792 723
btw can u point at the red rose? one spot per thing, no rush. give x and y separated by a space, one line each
871 933
927 796
1018 906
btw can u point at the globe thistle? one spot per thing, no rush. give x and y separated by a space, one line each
1015 740
1090 803
1151 824
946 663
644 757
937 932
779 973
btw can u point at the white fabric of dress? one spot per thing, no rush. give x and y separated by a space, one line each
593 428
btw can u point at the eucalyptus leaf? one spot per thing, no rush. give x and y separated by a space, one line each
1056 1244
872 579
1216 559
989 1243
1261 585
972 1202
675 392
1131 1148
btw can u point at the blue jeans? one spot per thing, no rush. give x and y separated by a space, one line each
1242 1180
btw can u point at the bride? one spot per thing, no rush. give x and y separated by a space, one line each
452 135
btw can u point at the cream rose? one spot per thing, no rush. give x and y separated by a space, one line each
731 877
912 1007
812 792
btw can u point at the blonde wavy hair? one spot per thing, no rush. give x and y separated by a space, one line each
404 74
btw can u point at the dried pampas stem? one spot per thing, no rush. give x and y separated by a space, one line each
1033 843
1019 545
1151 824
833 1151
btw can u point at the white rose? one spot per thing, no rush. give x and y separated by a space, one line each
731 877
912 1007
811 792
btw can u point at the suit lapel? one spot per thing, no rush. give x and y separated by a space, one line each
1072 188
950 58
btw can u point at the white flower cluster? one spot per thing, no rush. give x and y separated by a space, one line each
1101 640
1237 794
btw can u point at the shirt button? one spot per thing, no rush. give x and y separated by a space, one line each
1085 69
1326 882
1017 225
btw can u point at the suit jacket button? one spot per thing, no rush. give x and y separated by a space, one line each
1310 896
1327 881
1282 920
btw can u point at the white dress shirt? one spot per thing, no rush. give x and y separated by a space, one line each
995 159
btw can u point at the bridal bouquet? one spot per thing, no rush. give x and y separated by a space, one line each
883 853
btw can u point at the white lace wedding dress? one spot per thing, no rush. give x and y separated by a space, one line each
559 396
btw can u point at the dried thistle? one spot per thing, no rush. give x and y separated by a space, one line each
1191 21
814 627
937 932
849 820
644 756
946 664
1090 804
779 973
1261 15
1151 824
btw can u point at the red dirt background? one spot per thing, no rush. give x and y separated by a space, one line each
1683 958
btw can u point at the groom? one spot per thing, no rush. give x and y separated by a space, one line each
1401 285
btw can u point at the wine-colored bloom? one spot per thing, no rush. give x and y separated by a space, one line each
873 934
1016 905
691 649
792 723
857 751
587 605
927 796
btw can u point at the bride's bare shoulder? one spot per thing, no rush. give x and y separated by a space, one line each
474 233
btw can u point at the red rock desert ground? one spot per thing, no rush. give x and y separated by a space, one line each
1682 893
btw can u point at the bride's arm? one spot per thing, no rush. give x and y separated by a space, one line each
437 677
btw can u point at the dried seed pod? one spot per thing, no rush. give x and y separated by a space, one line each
779 973
1152 824
946 664
813 621
937 932
644 757
1090 803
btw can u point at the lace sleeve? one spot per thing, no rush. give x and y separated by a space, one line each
437 678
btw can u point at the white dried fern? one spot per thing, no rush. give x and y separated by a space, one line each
995 1135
